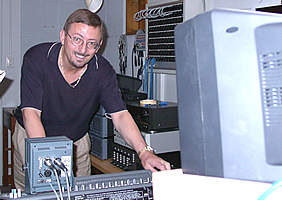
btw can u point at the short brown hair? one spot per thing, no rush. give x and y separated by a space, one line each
85 16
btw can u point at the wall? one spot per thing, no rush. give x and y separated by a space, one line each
9 55
113 15
240 4
10 51
158 2
194 7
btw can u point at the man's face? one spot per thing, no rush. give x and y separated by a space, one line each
79 43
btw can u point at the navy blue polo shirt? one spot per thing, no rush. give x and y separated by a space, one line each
66 111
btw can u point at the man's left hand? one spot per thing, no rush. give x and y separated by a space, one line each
152 162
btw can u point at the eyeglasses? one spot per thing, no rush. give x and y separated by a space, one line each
77 41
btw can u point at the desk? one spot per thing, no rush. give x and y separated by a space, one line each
173 184
104 166
8 125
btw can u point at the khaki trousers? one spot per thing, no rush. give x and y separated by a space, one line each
81 157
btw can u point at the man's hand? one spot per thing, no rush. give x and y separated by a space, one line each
32 122
152 162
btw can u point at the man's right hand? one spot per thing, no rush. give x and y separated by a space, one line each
32 122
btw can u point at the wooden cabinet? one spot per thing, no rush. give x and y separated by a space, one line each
8 130
104 166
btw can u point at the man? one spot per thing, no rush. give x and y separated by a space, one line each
62 85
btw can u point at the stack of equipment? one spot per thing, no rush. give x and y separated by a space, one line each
101 135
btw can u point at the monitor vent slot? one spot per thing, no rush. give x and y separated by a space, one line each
271 82
60 147
161 33
43 149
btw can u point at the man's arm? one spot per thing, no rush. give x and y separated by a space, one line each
32 122
126 126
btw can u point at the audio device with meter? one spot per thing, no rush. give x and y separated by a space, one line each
165 144
162 116
48 164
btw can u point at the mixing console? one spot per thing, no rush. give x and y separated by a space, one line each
131 185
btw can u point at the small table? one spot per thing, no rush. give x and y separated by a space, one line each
104 166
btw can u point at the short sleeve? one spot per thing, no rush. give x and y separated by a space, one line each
111 98
31 82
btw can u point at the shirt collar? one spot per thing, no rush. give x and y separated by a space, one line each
54 51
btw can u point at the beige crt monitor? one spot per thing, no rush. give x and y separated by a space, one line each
229 86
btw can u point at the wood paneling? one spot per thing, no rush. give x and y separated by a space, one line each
132 7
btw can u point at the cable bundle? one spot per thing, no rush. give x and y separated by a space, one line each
150 13
148 82
54 167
